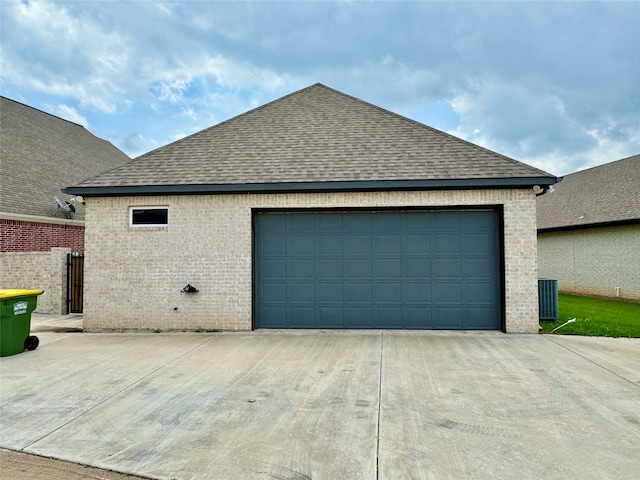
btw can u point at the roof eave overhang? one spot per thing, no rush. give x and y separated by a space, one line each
585 226
309 187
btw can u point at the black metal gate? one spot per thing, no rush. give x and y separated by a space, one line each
75 282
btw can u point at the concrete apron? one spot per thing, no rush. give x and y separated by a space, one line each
328 405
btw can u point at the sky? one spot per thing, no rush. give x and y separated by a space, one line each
552 84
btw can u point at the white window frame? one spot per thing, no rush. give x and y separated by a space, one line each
147 225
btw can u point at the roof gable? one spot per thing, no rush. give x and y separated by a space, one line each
599 195
41 153
314 136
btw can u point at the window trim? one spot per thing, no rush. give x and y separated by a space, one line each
148 225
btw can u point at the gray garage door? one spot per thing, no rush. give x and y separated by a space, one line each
382 269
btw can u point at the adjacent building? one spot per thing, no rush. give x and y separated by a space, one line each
39 154
589 231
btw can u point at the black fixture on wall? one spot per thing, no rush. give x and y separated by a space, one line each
189 289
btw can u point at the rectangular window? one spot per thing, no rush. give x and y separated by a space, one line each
149 216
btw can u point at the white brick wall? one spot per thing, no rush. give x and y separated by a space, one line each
597 261
38 270
133 276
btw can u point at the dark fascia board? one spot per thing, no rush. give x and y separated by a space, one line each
310 187
586 226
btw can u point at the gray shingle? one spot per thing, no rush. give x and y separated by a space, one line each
608 193
41 153
314 135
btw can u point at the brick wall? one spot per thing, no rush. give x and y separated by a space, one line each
596 261
38 270
25 236
133 276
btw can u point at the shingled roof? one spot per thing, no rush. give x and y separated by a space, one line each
608 194
41 153
316 138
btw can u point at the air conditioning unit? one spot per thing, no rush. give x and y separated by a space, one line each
548 298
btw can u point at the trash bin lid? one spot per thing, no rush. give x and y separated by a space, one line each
17 292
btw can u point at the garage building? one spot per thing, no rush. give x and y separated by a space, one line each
317 211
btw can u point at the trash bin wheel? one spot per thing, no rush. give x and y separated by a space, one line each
31 343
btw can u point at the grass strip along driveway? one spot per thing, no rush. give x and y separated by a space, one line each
595 317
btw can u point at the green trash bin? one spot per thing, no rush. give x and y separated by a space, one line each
15 321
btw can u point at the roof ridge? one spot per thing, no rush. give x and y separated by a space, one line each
358 100
606 164
42 111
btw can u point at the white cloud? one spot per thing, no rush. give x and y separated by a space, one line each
166 8
71 114
171 91
533 81
56 52
178 136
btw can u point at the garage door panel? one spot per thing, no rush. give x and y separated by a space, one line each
358 268
479 244
359 292
477 268
387 222
388 244
330 245
301 244
417 244
389 268
302 292
275 316
447 244
415 222
330 268
301 268
418 317
389 317
329 223
447 317
276 224
392 269
388 292
360 316
331 292
274 291
300 316
357 222
300 223
417 293
480 220
275 268
359 244
330 316
274 244
481 318
417 267
448 292
481 292
446 268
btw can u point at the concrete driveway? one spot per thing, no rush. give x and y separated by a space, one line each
328 405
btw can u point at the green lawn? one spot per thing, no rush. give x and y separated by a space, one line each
596 317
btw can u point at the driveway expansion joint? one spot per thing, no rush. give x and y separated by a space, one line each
379 406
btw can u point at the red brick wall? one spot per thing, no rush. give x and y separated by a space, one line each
21 236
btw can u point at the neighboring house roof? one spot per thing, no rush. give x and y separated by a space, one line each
314 139
41 153
608 194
